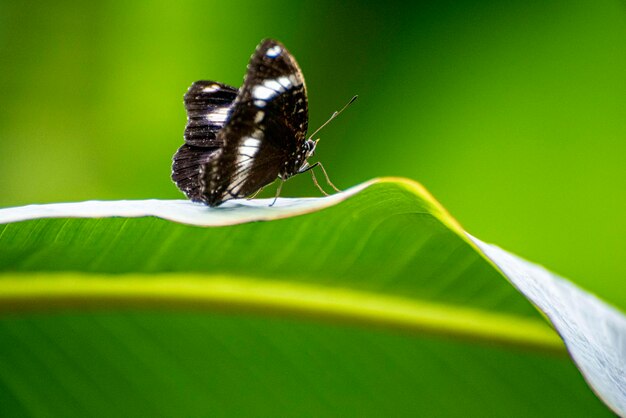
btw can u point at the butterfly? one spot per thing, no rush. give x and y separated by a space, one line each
237 141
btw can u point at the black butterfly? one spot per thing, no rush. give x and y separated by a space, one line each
238 141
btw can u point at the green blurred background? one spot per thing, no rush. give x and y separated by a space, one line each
512 113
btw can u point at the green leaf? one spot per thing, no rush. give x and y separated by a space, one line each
371 302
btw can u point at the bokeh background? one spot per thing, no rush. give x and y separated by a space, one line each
513 114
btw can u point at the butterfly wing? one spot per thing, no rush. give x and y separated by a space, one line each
208 105
266 131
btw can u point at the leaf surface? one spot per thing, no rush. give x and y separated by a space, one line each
372 301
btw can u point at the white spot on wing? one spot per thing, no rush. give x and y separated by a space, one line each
260 103
284 81
263 93
250 145
259 116
274 85
218 115
245 158
211 88
274 51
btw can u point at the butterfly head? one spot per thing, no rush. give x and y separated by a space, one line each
309 148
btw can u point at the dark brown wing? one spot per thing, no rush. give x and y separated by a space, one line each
208 105
267 128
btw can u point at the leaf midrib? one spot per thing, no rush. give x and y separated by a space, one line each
218 293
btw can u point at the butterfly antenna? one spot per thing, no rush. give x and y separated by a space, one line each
333 116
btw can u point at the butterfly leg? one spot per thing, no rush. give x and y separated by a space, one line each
280 186
327 178
310 168
255 193
315 181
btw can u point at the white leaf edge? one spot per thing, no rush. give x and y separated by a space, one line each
232 212
593 331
